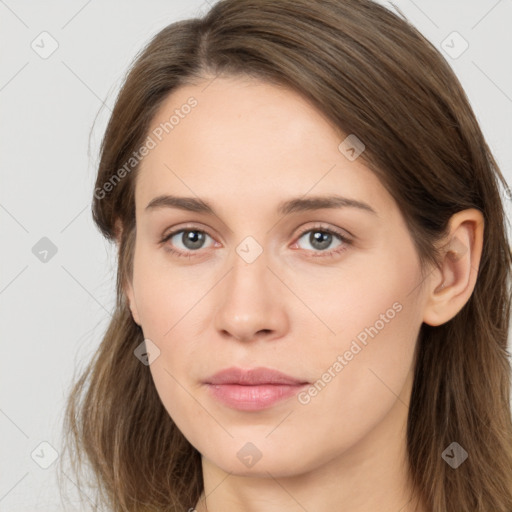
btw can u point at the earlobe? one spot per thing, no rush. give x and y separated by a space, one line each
131 303
451 286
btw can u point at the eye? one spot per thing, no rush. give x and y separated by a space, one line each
321 239
186 241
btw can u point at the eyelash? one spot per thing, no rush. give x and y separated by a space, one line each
327 254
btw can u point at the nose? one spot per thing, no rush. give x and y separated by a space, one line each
252 302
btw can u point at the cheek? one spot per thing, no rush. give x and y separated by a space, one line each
169 301
378 336
364 294
375 314
365 376
164 294
166 303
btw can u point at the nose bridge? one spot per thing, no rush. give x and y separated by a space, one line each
248 280
249 304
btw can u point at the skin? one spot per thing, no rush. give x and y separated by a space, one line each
244 148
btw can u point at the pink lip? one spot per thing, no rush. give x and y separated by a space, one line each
253 389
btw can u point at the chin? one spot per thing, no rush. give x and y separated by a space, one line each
259 459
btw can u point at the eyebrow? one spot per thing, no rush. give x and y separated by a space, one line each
299 204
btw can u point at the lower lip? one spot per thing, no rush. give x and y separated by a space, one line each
253 398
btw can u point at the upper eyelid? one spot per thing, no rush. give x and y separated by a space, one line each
336 231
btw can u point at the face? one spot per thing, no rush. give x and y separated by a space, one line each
274 276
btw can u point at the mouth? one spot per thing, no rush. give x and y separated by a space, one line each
253 389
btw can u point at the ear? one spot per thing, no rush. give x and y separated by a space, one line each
130 297
451 286
128 286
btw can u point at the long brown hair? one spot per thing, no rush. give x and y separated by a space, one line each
374 75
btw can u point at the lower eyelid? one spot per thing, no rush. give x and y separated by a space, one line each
311 253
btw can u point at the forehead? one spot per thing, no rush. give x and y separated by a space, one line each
250 140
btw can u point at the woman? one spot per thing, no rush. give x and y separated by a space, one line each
313 285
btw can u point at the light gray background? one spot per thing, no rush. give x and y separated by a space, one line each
53 314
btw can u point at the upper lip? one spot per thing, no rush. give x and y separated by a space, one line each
253 377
